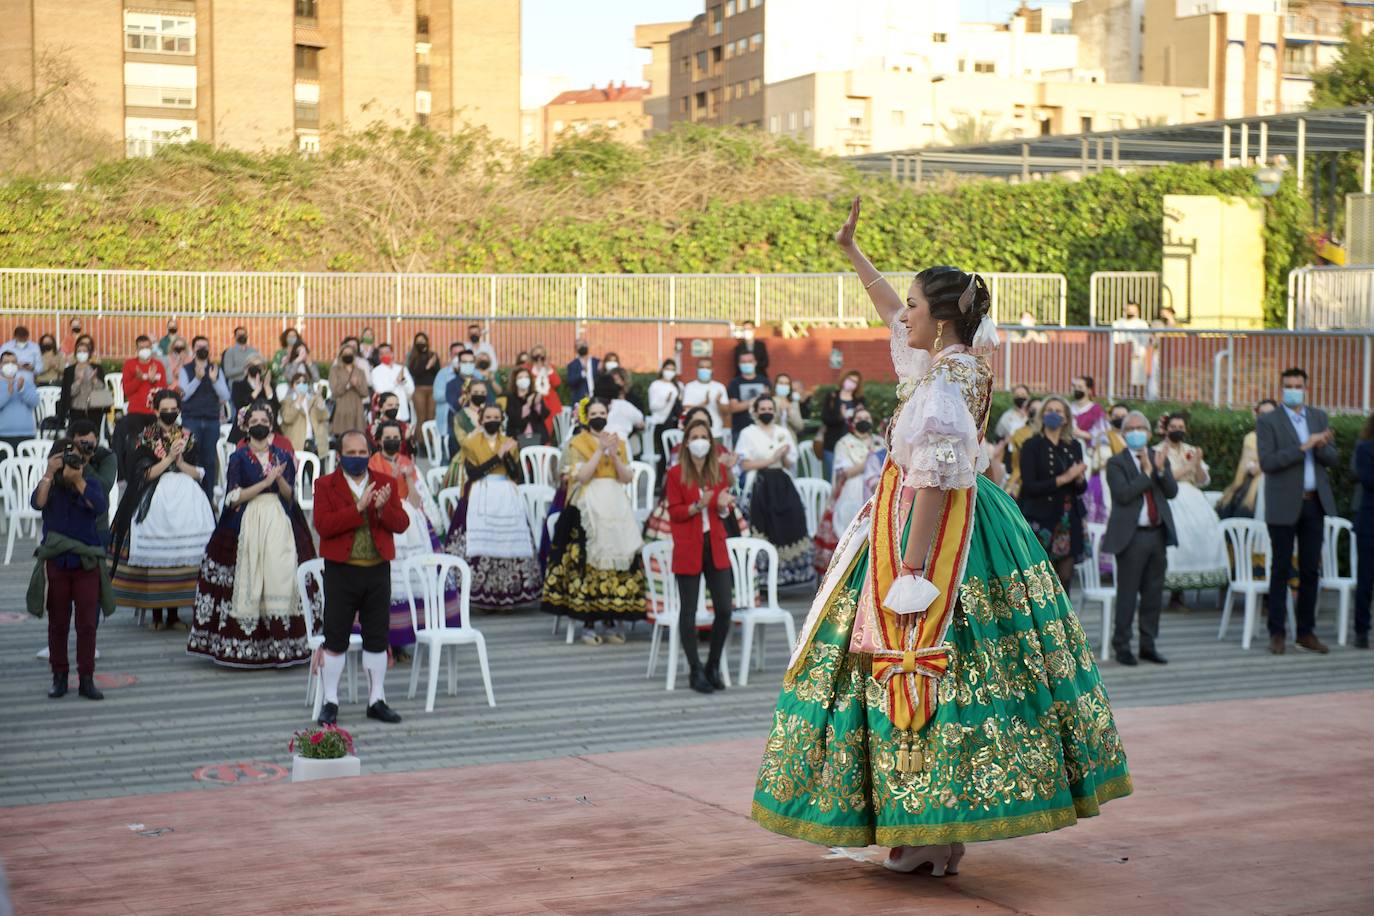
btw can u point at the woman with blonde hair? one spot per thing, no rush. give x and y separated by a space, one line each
489 528
1054 477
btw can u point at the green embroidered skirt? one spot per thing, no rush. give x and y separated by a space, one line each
1023 740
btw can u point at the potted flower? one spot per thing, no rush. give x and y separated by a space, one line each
322 753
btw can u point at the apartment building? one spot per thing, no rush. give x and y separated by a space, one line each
255 74
656 38
617 109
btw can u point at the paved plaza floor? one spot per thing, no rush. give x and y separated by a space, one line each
589 788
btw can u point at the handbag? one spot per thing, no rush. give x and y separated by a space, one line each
1235 507
101 398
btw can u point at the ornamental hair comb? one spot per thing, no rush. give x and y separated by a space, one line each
966 297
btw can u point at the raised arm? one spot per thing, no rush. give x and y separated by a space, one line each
885 299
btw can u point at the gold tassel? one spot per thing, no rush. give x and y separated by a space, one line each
901 758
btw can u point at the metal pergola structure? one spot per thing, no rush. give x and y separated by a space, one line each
1234 141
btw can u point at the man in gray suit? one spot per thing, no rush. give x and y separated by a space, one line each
1139 532
1295 449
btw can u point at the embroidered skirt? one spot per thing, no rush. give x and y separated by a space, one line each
1023 740
506 574
776 514
1199 558
575 588
159 566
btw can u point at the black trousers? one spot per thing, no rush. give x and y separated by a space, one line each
1140 572
361 590
1364 582
1308 533
719 583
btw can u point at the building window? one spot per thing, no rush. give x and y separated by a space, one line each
151 33
755 41
1117 122
984 66
717 54
307 9
424 102
308 143
684 105
961 65
1061 26
755 85
685 65
1085 124
422 26
558 127
717 20
806 117
729 7
898 118
939 38
307 61
159 97
739 90
755 4
701 64
773 124
307 114
729 50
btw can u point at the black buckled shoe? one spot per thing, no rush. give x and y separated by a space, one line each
714 678
329 714
379 710
59 686
86 687
699 682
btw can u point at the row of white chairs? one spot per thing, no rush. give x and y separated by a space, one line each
426 576
1246 540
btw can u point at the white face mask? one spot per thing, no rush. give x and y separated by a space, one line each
9 370
82 356
522 383
611 365
699 447
144 354
669 374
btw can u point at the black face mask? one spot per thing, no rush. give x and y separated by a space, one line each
390 413
478 400
254 372
169 417
241 339
1177 435
491 426
391 446
1020 402
582 351
863 426
766 417
1118 421
1079 394
474 337
259 431
421 347
597 424
202 353
347 359
46 348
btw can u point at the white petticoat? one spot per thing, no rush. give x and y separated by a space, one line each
413 542
496 522
178 525
1199 560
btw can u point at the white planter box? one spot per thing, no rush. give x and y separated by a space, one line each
304 769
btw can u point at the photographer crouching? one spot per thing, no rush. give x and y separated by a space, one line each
71 573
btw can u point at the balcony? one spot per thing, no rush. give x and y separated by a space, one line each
422 76
1313 27
307 116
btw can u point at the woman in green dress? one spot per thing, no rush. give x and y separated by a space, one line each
943 691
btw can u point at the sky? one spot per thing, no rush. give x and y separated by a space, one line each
564 46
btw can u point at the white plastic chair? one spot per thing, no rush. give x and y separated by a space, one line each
48 396
434 477
1090 576
648 439
1245 537
815 495
537 498
744 561
314 687
19 478
539 464
115 382
448 501
661 591
1331 578
640 489
35 448
672 439
431 572
322 386
307 472
429 435
808 465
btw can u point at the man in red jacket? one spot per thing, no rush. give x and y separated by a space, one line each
356 513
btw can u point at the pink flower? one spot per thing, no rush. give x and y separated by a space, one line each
317 737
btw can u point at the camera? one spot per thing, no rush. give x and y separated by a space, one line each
71 457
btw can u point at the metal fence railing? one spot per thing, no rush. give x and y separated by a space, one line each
1322 298
1111 290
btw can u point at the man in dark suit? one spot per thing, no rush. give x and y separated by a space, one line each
748 344
582 372
1139 532
1295 448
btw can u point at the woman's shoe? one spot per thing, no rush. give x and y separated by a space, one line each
700 683
714 679
591 639
910 858
615 639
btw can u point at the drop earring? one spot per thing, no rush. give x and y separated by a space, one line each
939 336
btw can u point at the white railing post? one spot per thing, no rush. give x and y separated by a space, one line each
1063 301
1092 298
758 300
100 294
1216 374
839 296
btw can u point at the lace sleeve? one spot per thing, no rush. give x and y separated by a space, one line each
945 451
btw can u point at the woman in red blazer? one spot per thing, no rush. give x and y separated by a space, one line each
699 500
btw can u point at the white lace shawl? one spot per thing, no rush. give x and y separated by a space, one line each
935 439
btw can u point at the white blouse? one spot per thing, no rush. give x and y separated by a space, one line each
935 438
662 395
756 444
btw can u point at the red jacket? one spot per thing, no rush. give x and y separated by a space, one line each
137 391
337 518
686 524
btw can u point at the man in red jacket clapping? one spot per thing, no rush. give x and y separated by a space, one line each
356 513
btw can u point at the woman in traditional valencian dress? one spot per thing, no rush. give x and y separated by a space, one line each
943 691
164 519
594 572
247 614
490 528
1198 561
767 455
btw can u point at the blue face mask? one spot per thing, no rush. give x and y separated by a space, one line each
703 375
1136 439
1292 397
302 388
747 369
354 465
1053 421
466 368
